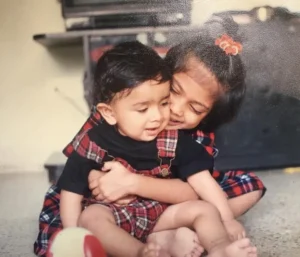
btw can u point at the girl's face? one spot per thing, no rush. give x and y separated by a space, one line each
192 96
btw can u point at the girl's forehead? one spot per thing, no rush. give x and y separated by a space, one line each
191 91
199 78
198 71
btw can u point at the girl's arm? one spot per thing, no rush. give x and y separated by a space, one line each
119 182
171 191
209 190
70 208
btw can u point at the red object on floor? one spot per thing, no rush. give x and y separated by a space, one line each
92 247
74 242
49 253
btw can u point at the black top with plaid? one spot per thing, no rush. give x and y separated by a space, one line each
190 157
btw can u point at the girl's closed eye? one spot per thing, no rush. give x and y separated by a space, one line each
143 110
175 90
196 111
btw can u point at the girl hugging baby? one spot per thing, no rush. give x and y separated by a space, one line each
145 133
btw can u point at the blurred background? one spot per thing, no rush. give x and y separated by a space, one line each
48 49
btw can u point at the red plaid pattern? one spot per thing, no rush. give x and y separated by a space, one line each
49 221
234 183
237 183
166 143
138 218
87 148
92 121
207 140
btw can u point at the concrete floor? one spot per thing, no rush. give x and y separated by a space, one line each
273 225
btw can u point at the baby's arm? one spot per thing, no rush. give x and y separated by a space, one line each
70 208
73 184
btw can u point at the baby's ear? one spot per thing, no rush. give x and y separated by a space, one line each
107 113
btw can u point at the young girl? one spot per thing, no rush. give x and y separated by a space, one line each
201 67
132 88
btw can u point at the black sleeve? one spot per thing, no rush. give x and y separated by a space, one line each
74 177
191 157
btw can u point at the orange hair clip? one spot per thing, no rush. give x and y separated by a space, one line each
229 46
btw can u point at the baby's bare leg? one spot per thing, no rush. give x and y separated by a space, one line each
198 215
117 242
204 218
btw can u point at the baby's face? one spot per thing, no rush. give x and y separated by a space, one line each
144 112
192 97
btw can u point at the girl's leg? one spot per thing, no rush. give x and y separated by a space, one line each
206 221
240 248
116 241
241 204
244 189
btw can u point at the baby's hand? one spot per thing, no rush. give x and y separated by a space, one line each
235 229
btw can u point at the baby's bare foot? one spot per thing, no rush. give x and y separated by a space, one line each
153 250
181 242
240 248
185 244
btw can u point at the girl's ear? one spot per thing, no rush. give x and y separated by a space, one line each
106 113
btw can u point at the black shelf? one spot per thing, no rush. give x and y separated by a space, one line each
76 37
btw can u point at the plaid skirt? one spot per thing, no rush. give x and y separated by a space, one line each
138 218
237 183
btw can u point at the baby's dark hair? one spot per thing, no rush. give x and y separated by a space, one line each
126 66
227 69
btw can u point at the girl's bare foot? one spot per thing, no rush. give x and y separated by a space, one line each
153 250
181 242
240 248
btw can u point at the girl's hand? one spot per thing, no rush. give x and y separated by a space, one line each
125 200
94 177
235 229
113 183
93 180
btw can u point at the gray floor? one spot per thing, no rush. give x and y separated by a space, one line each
274 224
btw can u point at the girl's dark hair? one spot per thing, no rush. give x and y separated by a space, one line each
126 66
227 69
